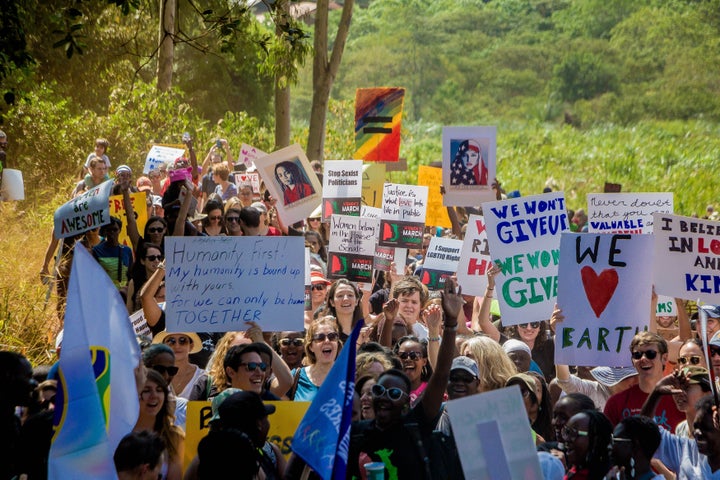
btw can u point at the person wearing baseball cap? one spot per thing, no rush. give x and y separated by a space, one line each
462 382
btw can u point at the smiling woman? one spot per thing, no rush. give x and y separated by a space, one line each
322 345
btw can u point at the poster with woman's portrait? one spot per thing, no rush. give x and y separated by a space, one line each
468 165
291 181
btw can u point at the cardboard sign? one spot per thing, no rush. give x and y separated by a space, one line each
492 434
352 247
437 214
475 259
117 209
373 179
248 155
403 218
250 178
468 165
626 212
342 188
441 261
524 237
378 115
666 307
216 284
687 253
159 155
290 179
283 424
605 283
85 212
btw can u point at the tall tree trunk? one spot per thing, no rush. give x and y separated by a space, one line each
282 114
166 44
324 72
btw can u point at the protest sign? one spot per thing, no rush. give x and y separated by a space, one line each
524 238
249 178
308 281
403 218
85 212
605 284
159 154
139 205
216 284
492 434
468 165
370 212
352 247
373 179
385 256
378 115
248 155
283 424
12 187
437 215
290 179
666 307
342 188
687 253
139 324
626 212
475 259
441 261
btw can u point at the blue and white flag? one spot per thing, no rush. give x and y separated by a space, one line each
97 401
323 437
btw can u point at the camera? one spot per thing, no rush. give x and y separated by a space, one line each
218 144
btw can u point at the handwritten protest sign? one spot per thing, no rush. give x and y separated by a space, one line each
159 155
687 257
342 188
666 307
352 247
85 212
626 212
283 424
373 179
216 284
378 115
475 258
139 323
403 218
441 261
437 214
524 238
290 179
248 155
492 434
370 212
249 178
468 165
117 209
605 283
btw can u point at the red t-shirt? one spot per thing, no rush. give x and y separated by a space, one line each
629 402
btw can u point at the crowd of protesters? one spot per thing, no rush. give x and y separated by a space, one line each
418 350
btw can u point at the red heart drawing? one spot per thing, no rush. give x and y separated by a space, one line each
599 289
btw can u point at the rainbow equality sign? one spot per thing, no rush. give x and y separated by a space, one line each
378 113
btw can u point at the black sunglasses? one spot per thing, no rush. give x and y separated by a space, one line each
395 394
152 258
232 219
156 229
649 354
298 342
162 370
252 366
461 379
320 337
319 286
413 355
173 341
532 325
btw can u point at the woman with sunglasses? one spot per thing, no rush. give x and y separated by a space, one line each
161 358
232 223
214 223
149 259
413 355
398 433
182 345
586 437
322 345
156 416
290 346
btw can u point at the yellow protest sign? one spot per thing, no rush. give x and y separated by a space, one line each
436 214
373 179
117 209
283 424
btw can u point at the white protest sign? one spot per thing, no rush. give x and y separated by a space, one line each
666 307
605 284
475 258
159 155
687 257
249 178
290 179
626 212
403 215
524 238
139 323
441 261
492 434
248 155
468 164
351 248
342 188
216 284
85 212
370 212
12 187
